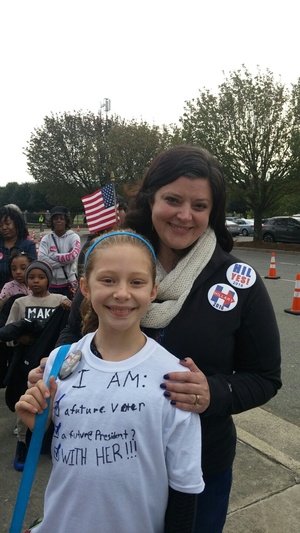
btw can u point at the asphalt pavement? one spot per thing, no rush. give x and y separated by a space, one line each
265 496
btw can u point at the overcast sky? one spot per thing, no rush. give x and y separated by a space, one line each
148 58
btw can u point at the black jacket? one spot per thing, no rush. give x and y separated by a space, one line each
6 352
26 357
238 350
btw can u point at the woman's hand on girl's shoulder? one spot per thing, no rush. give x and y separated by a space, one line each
188 391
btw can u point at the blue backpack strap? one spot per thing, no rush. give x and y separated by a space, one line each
34 451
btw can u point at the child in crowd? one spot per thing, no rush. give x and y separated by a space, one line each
60 249
17 264
39 305
123 458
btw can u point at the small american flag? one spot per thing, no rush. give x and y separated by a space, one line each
100 209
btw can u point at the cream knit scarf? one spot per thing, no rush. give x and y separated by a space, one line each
174 287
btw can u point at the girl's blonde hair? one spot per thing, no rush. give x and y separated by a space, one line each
107 240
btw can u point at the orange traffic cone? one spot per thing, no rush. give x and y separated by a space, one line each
295 309
33 235
37 247
272 269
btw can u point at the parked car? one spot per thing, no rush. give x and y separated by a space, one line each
281 229
246 226
233 228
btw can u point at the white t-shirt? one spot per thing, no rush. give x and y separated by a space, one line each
118 445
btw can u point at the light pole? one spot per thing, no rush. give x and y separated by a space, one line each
106 104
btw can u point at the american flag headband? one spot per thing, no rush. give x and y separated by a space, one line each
135 235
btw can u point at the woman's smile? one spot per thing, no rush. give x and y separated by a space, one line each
180 229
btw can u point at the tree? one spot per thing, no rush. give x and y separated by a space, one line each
236 204
68 150
27 196
8 194
251 126
72 155
289 205
132 147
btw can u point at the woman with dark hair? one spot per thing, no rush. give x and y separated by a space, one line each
60 249
13 238
212 311
192 163
210 307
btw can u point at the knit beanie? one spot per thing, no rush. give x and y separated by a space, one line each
42 266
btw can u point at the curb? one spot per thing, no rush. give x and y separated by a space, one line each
251 425
246 248
270 452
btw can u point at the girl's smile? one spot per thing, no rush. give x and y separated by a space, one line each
120 311
120 287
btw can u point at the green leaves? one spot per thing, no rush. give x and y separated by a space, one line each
71 155
252 126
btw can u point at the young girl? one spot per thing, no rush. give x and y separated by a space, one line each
123 458
17 265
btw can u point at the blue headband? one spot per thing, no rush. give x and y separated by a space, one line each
117 233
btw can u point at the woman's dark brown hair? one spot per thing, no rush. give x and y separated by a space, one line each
188 161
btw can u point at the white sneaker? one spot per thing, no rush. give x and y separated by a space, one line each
16 431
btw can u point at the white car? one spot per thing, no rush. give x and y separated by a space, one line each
246 226
233 228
